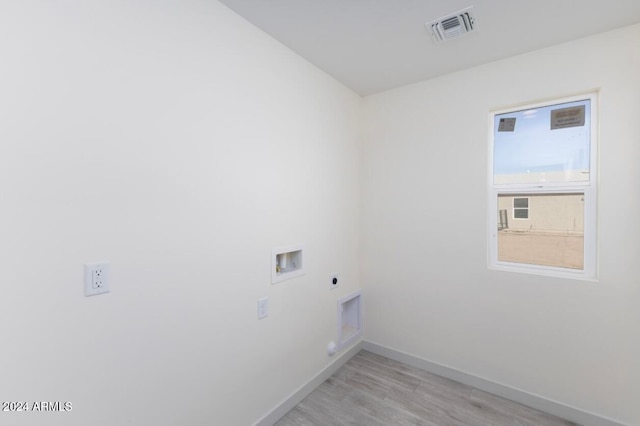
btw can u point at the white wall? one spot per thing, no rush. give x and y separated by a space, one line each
424 232
180 143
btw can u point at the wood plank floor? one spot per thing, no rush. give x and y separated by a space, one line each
372 390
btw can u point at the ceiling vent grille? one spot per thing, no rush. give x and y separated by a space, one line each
453 25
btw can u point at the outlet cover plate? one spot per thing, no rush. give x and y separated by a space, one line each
96 278
263 307
334 281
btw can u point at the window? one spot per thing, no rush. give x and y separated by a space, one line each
542 190
520 208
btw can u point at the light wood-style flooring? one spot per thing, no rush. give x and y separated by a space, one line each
371 390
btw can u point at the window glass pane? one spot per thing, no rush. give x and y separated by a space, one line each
546 144
521 213
551 232
520 202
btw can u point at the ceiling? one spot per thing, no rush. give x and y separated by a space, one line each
375 45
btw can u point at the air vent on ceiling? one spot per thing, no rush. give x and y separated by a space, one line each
453 25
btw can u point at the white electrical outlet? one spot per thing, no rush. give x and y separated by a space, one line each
96 278
263 307
333 283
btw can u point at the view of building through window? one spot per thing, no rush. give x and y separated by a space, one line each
542 175
542 229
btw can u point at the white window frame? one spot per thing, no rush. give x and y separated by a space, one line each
520 208
589 188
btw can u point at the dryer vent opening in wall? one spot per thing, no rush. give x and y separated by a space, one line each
452 25
349 318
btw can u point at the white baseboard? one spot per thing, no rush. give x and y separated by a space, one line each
540 403
301 393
